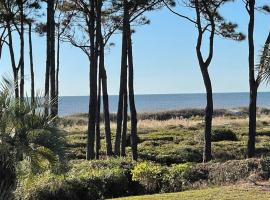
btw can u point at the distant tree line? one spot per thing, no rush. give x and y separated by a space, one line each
89 26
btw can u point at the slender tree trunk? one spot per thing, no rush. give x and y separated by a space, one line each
120 112
252 121
252 83
98 47
2 42
207 154
31 65
105 101
125 119
47 88
103 75
51 28
13 63
106 114
98 118
48 59
93 87
123 82
21 51
57 73
133 111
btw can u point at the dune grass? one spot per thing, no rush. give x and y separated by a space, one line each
178 140
217 193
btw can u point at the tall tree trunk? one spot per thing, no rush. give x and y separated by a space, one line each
31 65
106 114
2 41
123 82
204 65
93 86
57 73
252 83
48 59
105 99
13 62
133 111
21 51
207 154
47 87
125 119
51 29
103 75
98 118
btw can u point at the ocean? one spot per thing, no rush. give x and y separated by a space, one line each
159 102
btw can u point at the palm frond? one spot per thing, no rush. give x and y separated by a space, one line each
41 158
7 173
263 67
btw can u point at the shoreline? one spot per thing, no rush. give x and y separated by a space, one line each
184 113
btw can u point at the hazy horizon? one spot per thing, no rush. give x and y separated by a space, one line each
170 94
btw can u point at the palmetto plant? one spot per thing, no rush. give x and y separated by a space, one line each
7 172
264 65
26 133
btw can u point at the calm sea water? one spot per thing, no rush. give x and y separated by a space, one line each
160 102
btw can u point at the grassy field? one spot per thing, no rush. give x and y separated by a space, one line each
218 193
180 140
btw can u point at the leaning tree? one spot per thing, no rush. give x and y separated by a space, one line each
208 22
254 78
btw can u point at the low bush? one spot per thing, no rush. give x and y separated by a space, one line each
112 178
190 155
195 174
181 155
223 135
232 171
7 172
85 180
221 155
171 156
174 177
66 122
265 167
149 175
111 173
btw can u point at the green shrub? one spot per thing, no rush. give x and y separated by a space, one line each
149 175
232 171
190 155
110 172
264 123
223 135
111 178
173 178
195 174
265 167
53 187
85 180
51 138
7 172
109 184
66 122
221 155
264 111
171 154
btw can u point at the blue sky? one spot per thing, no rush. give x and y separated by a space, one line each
165 59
